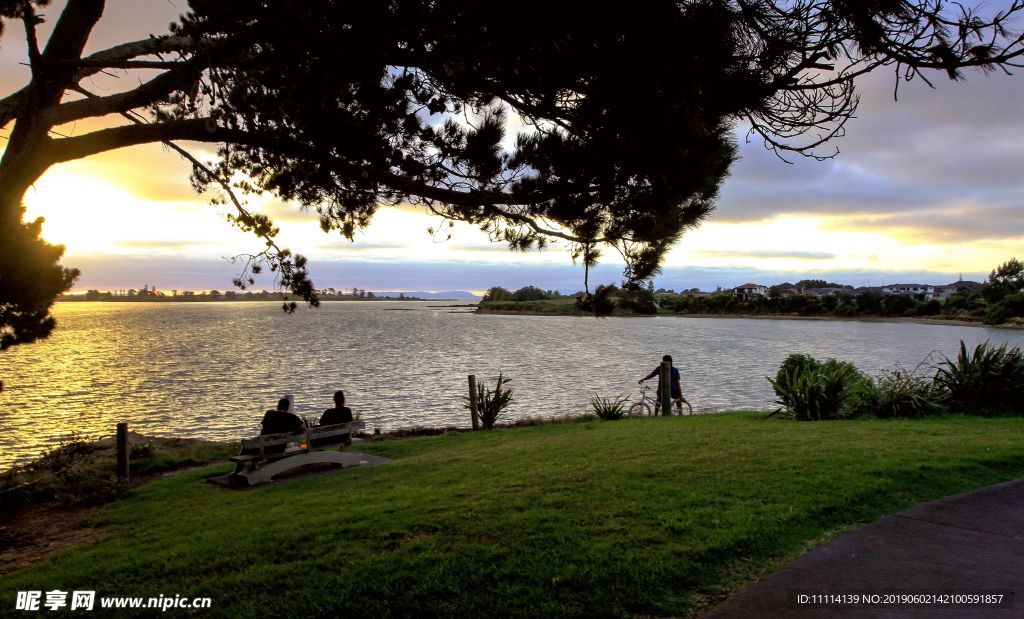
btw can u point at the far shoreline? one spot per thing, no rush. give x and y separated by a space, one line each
891 319
921 320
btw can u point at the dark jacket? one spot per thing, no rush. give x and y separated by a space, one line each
276 422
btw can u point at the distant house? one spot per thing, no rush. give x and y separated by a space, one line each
787 289
750 291
825 292
944 292
921 292
856 292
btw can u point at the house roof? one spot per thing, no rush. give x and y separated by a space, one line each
965 285
750 286
864 289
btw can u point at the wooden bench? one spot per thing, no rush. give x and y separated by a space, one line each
264 457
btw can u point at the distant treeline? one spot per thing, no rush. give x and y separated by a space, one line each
147 294
1000 300
526 293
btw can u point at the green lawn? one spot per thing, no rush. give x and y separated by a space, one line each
660 516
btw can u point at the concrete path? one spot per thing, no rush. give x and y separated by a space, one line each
968 544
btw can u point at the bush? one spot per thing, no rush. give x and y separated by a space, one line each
985 381
812 391
490 404
600 303
497 293
897 305
1008 307
141 450
609 409
637 301
794 362
897 393
964 304
930 308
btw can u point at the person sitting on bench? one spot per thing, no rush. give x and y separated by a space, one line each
280 420
339 414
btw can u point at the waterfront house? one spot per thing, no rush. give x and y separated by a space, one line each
825 292
856 292
921 292
944 292
750 291
787 289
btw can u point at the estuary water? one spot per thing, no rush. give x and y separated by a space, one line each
210 369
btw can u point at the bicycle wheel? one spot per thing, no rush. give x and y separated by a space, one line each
689 409
640 410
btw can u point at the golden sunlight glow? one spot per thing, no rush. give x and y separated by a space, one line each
95 215
139 202
819 243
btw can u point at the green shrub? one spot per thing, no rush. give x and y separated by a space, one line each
600 303
141 450
637 300
796 361
1008 307
898 393
607 408
930 308
985 381
490 404
812 391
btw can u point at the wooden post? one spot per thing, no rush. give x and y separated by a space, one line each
122 452
666 388
472 402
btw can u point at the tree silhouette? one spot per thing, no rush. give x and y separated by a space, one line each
627 115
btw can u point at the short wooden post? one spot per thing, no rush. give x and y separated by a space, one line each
666 388
122 452
474 414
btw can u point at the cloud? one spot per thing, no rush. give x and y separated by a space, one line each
156 245
944 162
765 253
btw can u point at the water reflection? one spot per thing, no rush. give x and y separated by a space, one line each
210 370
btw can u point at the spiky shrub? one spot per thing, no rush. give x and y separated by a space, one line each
490 404
609 409
985 381
794 362
898 393
809 390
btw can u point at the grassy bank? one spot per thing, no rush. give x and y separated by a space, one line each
565 306
649 516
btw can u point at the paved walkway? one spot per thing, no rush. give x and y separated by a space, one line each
970 543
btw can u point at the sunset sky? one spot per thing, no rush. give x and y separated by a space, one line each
924 189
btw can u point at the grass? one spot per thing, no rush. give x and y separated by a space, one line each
565 306
659 516
80 471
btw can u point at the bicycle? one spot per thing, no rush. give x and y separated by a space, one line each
649 406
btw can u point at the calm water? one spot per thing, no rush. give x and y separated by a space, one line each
209 370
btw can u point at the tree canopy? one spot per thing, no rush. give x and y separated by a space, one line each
626 117
1004 280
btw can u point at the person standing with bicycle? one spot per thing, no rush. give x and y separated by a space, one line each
677 389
